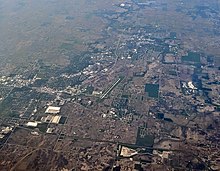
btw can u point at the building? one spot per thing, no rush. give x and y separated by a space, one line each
32 124
55 119
51 119
53 110
127 152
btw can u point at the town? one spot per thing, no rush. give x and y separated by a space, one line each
138 99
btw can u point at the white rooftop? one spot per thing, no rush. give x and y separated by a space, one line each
49 130
53 110
32 124
56 119
190 84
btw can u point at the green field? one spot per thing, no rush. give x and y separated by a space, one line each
146 140
152 90
192 57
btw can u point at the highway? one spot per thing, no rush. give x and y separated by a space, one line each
117 142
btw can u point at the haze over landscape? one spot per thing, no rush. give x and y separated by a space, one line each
109 85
